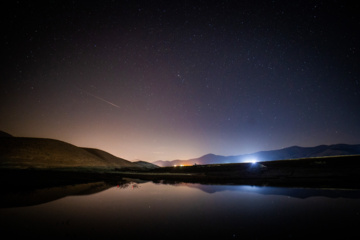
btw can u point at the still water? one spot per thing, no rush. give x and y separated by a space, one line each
140 210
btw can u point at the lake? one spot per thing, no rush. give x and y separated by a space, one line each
139 210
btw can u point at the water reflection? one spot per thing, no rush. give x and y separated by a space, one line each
137 210
290 192
24 197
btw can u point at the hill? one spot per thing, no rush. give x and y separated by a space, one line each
4 134
41 153
109 159
294 152
146 165
115 162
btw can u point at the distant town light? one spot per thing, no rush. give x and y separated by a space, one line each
252 161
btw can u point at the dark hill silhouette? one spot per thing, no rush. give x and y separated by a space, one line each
293 152
146 165
117 162
4 134
18 152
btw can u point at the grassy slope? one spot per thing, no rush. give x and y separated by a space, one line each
43 153
48 153
110 159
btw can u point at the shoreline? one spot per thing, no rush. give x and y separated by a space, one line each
330 172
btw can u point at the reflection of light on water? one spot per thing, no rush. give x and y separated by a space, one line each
121 215
249 188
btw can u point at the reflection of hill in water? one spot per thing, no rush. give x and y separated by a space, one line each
39 196
22 197
290 192
20 188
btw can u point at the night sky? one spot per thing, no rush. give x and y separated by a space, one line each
164 80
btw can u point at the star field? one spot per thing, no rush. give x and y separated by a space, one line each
159 80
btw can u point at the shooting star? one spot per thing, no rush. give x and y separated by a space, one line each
101 99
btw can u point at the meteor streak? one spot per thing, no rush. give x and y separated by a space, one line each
101 99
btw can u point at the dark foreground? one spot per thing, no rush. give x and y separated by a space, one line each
342 171
147 210
124 208
336 172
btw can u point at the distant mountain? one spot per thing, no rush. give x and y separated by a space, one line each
206 159
18 152
281 154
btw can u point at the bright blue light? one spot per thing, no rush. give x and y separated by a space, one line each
252 161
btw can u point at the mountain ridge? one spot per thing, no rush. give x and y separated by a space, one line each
292 152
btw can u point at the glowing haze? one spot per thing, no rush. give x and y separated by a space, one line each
164 80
